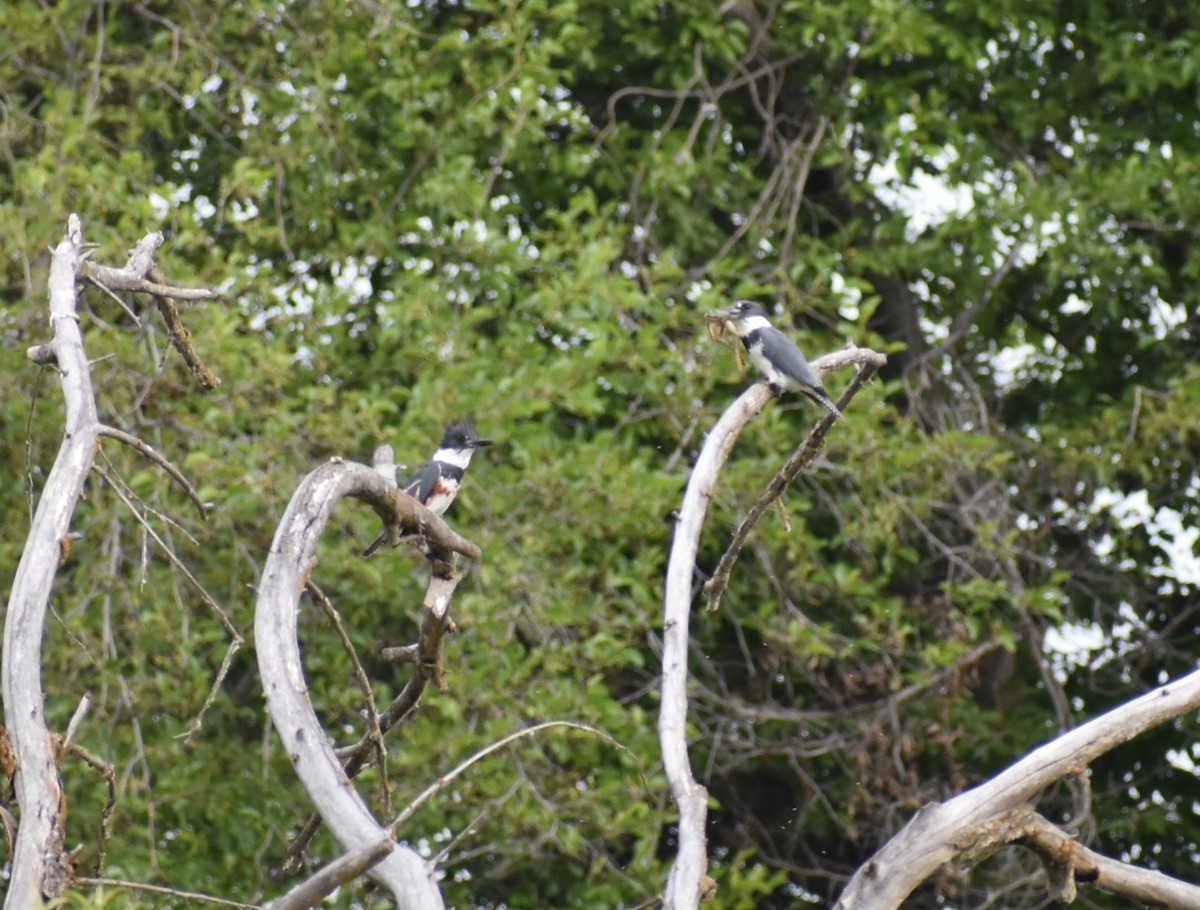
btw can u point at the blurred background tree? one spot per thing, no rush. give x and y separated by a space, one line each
519 211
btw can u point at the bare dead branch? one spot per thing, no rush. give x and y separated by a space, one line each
684 883
364 686
110 781
444 780
40 867
384 463
402 654
81 710
868 363
126 280
1069 863
159 459
341 871
425 655
940 832
94 882
116 298
142 275
181 336
291 560
42 354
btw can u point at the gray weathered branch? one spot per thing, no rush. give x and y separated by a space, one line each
1069 863
687 881
868 362
341 871
40 869
940 832
404 873
684 882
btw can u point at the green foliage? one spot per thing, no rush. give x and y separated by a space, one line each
519 211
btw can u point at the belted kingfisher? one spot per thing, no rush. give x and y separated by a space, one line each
435 484
776 355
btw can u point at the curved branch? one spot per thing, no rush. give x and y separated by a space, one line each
941 831
408 877
40 869
425 653
341 871
1068 862
868 363
462 767
685 881
155 456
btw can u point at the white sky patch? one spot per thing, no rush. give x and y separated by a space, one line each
1163 317
698 289
204 208
928 199
161 203
240 211
353 278
1010 363
1015 364
1085 644
934 331
1168 530
1073 644
848 297
1073 305
1185 761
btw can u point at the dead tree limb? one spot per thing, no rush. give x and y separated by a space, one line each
341 871
155 456
687 882
691 860
1069 863
292 558
941 832
868 362
142 275
40 868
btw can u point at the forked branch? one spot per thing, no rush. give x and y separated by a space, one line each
291 560
41 870
1000 811
868 362
687 881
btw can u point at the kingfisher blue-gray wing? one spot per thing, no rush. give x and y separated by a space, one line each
421 484
785 366
786 357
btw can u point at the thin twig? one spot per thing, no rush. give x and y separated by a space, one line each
159 459
181 336
868 362
364 685
121 303
236 641
81 710
161 889
110 780
440 784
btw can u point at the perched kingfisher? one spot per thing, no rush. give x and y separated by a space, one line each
436 483
776 355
